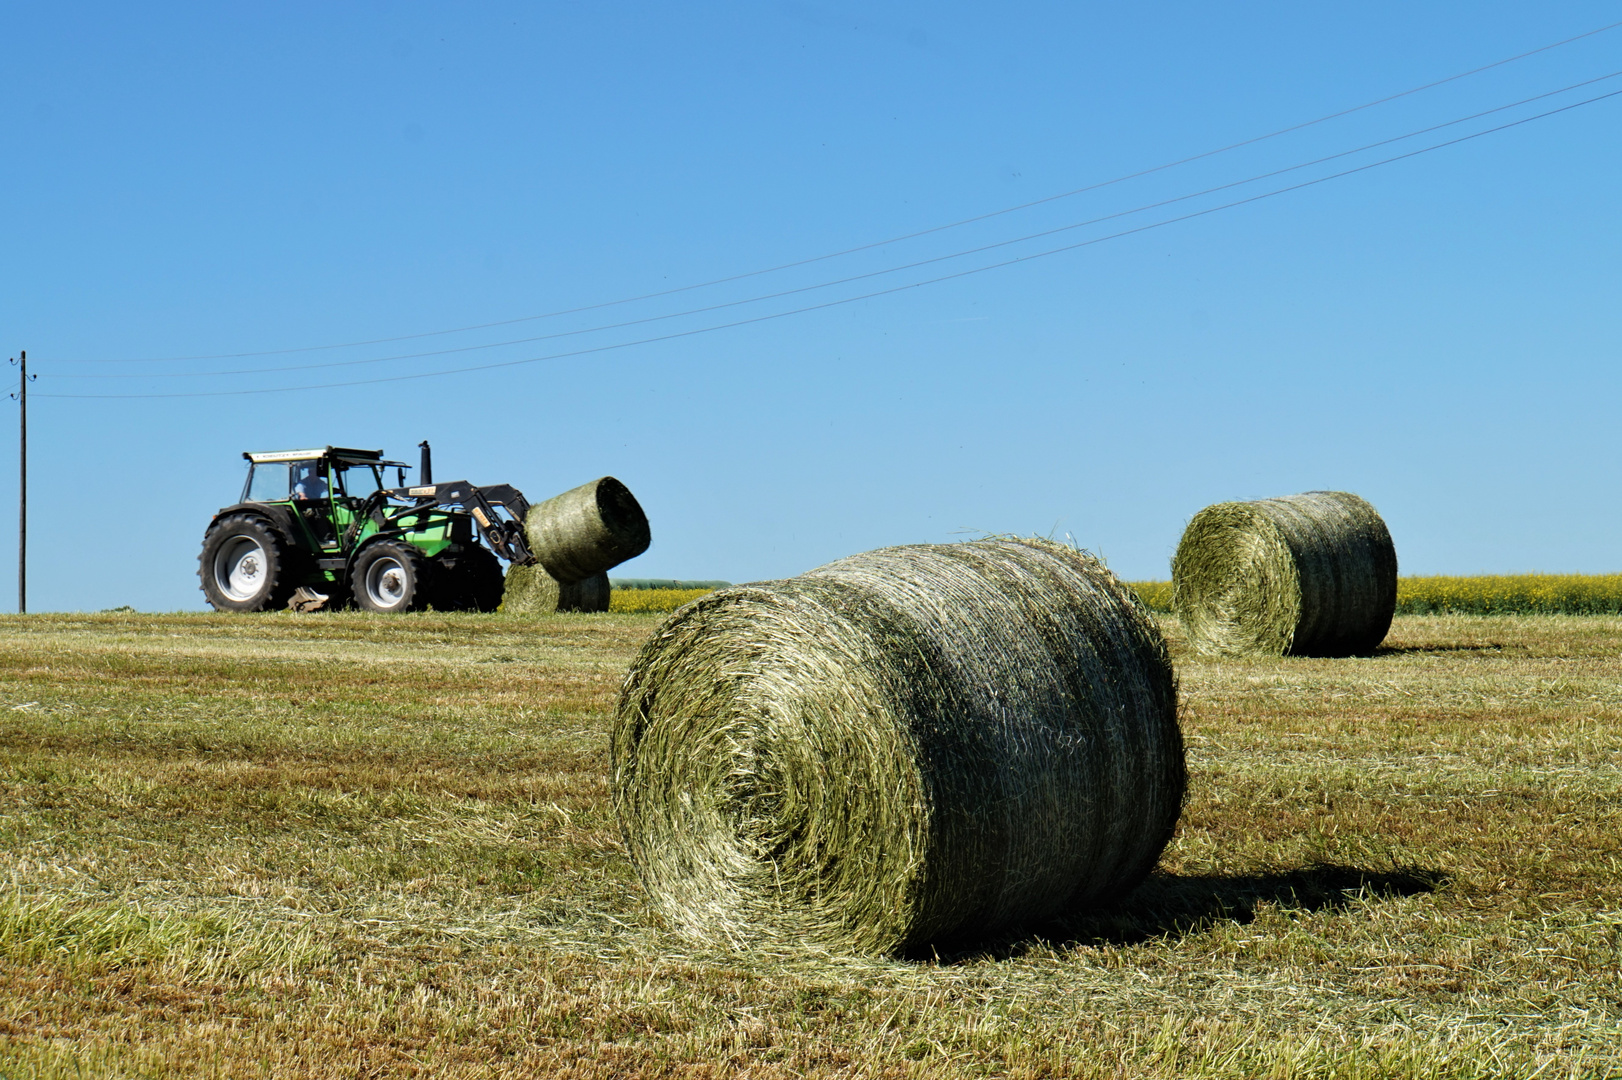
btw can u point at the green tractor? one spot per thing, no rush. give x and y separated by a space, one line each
322 528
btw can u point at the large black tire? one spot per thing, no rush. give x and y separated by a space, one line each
474 582
247 565
391 577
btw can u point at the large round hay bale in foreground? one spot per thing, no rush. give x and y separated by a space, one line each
910 746
587 530
532 591
1310 575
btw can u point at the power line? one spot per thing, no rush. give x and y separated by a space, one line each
880 243
857 277
867 296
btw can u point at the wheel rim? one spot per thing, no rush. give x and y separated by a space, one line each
240 568
387 584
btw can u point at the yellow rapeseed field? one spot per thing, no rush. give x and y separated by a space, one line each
1156 594
635 601
1486 594
1517 594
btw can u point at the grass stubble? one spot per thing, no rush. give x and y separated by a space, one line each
342 845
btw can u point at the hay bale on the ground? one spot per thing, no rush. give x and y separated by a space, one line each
908 746
587 530
532 591
1311 575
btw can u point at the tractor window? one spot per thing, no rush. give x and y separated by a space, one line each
309 480
358 481
268 482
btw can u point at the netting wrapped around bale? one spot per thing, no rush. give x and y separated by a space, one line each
532 591
1311 575
587 530
909 746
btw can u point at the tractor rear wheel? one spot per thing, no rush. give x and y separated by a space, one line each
390 577
475 583
244 565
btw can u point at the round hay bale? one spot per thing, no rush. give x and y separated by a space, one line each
914 745
531 590
1310 575
587 530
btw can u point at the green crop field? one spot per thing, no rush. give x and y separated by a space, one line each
354 846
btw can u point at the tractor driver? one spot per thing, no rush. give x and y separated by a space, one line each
308 483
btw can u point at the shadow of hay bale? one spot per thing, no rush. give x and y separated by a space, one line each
1493 647
1172 906
1308 575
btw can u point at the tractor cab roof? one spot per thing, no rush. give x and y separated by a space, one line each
338 455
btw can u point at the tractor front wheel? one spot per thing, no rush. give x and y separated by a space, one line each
244 565
390 577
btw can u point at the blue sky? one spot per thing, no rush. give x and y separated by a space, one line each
1438 334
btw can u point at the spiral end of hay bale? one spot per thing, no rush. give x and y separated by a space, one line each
530 590
909 746
588 530
1308 575
1234 583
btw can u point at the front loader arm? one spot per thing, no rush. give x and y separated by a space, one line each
505 535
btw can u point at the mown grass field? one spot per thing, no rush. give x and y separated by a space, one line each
349 846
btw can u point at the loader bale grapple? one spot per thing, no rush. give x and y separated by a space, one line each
323 528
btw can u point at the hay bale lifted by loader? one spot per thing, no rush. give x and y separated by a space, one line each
577 538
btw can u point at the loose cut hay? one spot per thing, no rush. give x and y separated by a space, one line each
531 590
1312 575
903 747
587 530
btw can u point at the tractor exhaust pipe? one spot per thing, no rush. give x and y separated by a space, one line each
425 471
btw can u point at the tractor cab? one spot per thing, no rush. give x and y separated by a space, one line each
323 489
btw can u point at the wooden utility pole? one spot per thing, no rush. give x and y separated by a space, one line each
22 486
